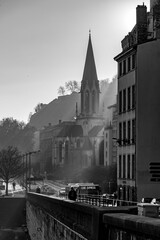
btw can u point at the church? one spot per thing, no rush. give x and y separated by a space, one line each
78 143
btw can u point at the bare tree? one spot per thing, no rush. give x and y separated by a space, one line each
72 86
39 107
11 165
61 91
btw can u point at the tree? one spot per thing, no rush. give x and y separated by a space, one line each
72 86
17 134
11 165
39 107
61 91
103 84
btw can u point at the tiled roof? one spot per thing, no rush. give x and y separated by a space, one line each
95 130
70 131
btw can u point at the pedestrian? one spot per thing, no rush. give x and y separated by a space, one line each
14 186
72 195
38 190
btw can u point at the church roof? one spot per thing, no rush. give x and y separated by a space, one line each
95 130
90 73
70 131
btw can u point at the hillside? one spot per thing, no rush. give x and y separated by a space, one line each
64 107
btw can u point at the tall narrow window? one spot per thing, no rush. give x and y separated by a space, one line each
124 133
133 131
60 152
120 133
129 98
129 132
133 61
124 166
128 167
129 63
93 102
124 100
124 67
133 166
133 96
120 101
120 166
120 69
87 101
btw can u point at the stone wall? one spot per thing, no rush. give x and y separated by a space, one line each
65 219
129 227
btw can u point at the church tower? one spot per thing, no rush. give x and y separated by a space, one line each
89 116
90 85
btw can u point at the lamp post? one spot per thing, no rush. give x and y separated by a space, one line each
28 168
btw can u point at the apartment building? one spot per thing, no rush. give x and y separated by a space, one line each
138 152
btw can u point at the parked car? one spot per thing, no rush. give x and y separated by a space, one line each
62 192
156 201
146 200
45 189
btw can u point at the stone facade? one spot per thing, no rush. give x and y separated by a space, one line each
138 108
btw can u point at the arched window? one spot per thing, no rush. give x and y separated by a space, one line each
101 153
87 101
60 152
93 102
66 152
78 143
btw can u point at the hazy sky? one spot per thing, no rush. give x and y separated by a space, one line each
43 44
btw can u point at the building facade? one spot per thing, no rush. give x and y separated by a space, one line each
79 142
138 162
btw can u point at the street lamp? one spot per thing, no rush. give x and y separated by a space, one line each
28 168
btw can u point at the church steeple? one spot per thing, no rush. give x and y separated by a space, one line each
89 73
90 84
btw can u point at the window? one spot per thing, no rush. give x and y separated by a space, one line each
129 98
128 167
124 100
124 67
133 131
120 69
78 143
93 102
133 96
124 166
120 166
129 131
124 133
60 152
120 131
129 63
120 101
133 61
87 101
133 166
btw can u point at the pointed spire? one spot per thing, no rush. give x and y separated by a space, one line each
90 73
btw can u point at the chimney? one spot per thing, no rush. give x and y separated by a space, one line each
141 20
